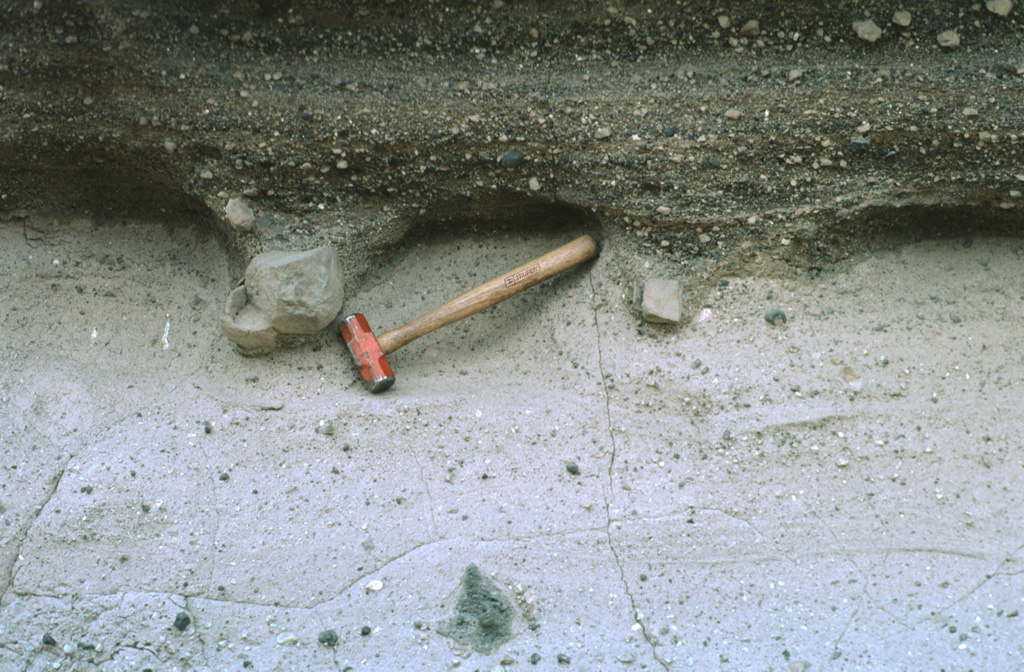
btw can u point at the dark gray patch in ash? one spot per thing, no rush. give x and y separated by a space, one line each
483 614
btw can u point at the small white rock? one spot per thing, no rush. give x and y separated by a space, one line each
723 21
795 74
287 639
602 133
750 28
374 586
864 128
948 39
240 215
970 112
999 7
867 30
663 210
534 184
170 146
901 18
733 114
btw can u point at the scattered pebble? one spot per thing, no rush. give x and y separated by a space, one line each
534 184
287 639
733 113
365 631
374 586
170 146
48 640
663 210
775 317
999 7
563 659
573 468
970 112
867 30
224 476
670 131
750 29
724 21
901 18
328 638
842 462
511 158
864 128
534 658
182 621
795 74
602 133
948 39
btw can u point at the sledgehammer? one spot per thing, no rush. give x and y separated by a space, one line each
369 351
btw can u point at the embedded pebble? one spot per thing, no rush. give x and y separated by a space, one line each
901 18
999 7
795 74
182 621
374 586
239 215
602 133
534 184
859 143
733 114
573 468
511 158
328 638
867 30
842 462
750 29
723 21
970 112
775 317
662 301
287 638
948 39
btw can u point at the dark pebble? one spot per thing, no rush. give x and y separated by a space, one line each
534 658
328 638
224 476
670 131
563 659
511 158
643 577
775 317
573 468
48 640
859 144
182 621
365 631
696 364
207 427
87 489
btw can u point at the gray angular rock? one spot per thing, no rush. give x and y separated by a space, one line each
245 326
948 39
297 292
662 301
867 30
999 7
239 215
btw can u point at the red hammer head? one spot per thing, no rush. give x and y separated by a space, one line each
374 368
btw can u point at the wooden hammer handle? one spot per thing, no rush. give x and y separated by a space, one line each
492 292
